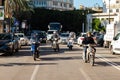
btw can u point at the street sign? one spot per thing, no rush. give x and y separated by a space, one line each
1 13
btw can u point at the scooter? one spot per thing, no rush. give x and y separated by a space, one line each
35 50
55 44
70 43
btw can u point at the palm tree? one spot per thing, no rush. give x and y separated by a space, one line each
16 7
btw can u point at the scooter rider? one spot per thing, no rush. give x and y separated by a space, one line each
55 35
33 40
87 40
72 35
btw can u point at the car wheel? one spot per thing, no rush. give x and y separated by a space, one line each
111 50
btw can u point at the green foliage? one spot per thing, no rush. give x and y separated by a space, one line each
71 20
96 25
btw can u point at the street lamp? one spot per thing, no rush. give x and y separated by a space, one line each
83 30
109 11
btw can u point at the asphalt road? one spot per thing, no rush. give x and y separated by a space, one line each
63 65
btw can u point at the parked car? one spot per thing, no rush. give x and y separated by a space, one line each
115 44
64 38
80 38
23 39
100 40
8 43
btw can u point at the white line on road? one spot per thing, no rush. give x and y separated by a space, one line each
109 62
116 66
85 74
34 72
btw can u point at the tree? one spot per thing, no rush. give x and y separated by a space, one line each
15 7
96 24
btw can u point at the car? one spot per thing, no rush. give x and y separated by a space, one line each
100 40
115 44
64 38
8 43
42 36
49 34
80 38
23 39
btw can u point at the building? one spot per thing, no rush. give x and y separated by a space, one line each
61 5
111 14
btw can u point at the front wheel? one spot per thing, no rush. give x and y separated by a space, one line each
92 57
111 50
70 48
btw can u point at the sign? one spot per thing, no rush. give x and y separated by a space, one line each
1 13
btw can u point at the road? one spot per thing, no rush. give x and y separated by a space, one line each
63 65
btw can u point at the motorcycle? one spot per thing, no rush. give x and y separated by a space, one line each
55 44
70 43
90 55
35 50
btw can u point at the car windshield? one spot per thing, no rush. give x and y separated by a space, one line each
5 36
64 35
84 35
50 32
20 35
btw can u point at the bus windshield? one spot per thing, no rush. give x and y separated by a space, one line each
55 26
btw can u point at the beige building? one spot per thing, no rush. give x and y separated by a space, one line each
111 12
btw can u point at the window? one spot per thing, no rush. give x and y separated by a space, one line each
111 10
55 3
117 10
117 1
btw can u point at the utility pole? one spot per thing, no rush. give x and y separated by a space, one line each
109 11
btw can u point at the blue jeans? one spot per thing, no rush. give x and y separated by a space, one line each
84 52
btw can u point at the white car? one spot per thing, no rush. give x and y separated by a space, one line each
49 34
64 38
115 44
80 38
23 39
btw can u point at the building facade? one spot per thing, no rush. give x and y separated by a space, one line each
61 5
111 14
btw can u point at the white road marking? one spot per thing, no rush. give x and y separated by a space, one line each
85 74
34 72
109 62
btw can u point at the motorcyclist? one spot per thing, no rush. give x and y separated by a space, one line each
55 35
72 35
34 41
88 40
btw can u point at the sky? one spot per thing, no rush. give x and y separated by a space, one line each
87 3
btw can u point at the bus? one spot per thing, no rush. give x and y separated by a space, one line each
55 26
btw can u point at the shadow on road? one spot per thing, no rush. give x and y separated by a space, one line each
26 64
60 58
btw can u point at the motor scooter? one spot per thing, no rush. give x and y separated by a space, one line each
70 43
35 50
55 44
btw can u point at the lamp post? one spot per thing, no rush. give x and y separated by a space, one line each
109 11
83 30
